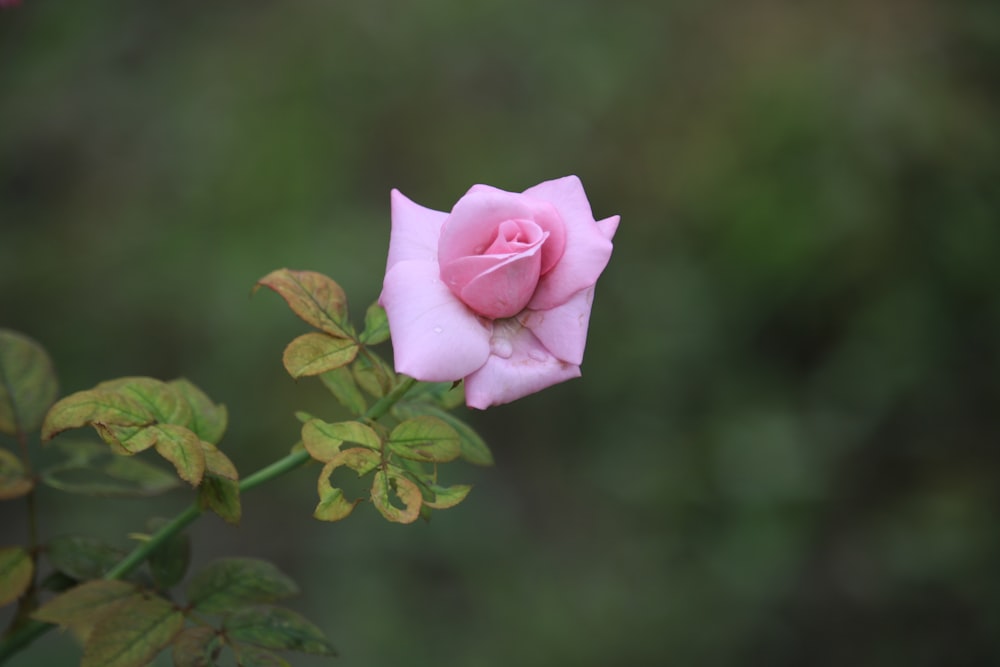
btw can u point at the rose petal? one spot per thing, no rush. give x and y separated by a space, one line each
524 368
563 329
609 226
435 337
588 247
415 231
472 225
495 287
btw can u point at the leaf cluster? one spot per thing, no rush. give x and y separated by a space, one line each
175 419
134 414
230 607
403 459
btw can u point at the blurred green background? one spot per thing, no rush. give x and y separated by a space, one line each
785 449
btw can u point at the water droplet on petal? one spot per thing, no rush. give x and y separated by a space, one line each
501 347
438 329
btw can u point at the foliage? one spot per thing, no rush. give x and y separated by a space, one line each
402 488
122 604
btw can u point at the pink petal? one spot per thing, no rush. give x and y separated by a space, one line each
520 366
563 329
495 287
415 231
609 226
588 246
435 337
472 225
567 195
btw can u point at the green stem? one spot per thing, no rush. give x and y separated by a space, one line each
35 629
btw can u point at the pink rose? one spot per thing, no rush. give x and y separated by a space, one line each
498 291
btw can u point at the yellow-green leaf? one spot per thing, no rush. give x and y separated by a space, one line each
127 440
166 404
425 438
94 406
218 463
320 446
84 604
222 496
376 326
183 448
14 481
132 633
333 506
208 419
447 496
27 383
373 374
16 572
385 486
315 298
323 440
341 384
316 353
196 646
473 448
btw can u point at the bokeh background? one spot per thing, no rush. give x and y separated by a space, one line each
785 449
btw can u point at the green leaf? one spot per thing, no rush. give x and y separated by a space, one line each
181 447
27 383
84 604
16 572
233 583
14 480
445 395
373 374
316 353
208 419
473 448
376 326
384 486
170 561
166 405
57 582
323 440
109 475
196 646
132 633
82 557
277 628
333 506
447 496
315 298
254 656
341 384
222 496
426 439
94 406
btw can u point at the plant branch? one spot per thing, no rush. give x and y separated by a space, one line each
35 629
